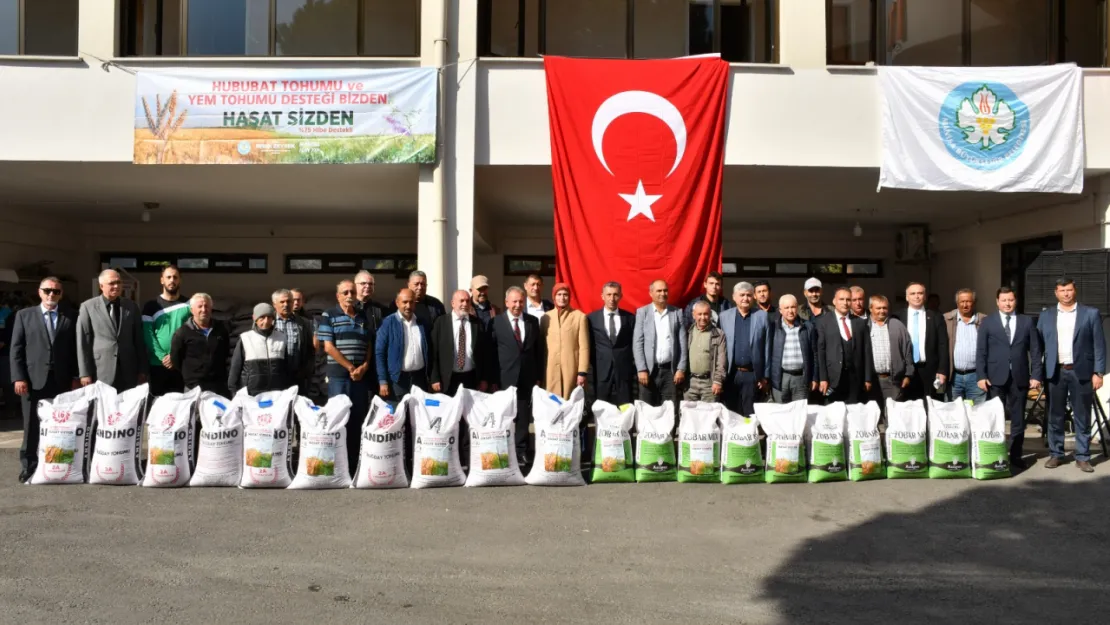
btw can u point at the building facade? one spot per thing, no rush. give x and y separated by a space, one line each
801 164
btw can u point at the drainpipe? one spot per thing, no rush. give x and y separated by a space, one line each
437 270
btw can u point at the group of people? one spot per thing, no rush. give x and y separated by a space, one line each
740 351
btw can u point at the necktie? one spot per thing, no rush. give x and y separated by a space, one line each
516 332
460 353
50 325
613 327
114 307
914 335
847 330
1009 332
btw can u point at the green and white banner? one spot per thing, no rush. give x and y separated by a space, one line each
236 116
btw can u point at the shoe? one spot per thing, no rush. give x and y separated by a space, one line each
1084 466
1018 464
23 477
1052 463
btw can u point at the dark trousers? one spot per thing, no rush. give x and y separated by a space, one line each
1064 385
850 389
163 380
525 443
1013 398
739 392
889 387
922 386
468 380
359 394
660 386
29 449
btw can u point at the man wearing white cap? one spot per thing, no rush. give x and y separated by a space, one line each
815 306
479 300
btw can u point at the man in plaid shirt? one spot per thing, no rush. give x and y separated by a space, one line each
792 349
298 338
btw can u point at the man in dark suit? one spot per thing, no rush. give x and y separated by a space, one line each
844 353
929 340
792 349
517 359
457 351
43 362
110 344
612 367
1075 359
1008 363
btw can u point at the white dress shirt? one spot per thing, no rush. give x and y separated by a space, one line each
468 365
616 319
1013 324
1065 334
843 322
520 323
49 316
414 346
536 310
663 350
917 330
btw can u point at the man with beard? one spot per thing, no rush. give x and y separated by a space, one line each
364 286
479 299
534 304
714 287
815 306
162 316
763 299
200 348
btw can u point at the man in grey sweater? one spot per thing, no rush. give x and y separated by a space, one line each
892 352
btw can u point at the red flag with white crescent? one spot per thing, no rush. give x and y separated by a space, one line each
637 160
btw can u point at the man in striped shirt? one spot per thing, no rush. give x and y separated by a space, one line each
963 332
348 339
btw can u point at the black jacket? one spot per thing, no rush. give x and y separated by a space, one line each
830 350
511 364
442 349
936 343
611 361
260 364
33 356
202 360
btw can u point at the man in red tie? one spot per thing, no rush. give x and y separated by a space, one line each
516 352
844 353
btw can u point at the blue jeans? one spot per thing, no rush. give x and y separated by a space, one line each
358 393
966 386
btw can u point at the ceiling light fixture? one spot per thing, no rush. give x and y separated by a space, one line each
857 230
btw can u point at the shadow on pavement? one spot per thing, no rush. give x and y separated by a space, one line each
1034 553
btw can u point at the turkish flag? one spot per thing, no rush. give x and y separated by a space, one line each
637 159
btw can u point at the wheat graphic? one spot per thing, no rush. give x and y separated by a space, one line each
166 122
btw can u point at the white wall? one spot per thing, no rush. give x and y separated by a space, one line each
26 239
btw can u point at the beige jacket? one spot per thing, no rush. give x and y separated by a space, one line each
568 349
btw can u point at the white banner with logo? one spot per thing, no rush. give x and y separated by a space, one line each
982 128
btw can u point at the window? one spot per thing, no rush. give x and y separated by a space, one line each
38 27
398 264
741 30
966 32
186 262
270 27
1016 259
830 268
527 265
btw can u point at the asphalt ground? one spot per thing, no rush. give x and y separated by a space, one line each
1028 549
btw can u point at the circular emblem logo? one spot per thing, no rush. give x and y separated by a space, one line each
265 419
244 147
114 418
984 125
61 416
167 422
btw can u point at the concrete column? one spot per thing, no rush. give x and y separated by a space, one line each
97 23
802 33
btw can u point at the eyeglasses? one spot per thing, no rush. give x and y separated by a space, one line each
51 291
364 284
113 283
346 292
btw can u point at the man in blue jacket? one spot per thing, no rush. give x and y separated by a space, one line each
1008 364
1075 359
746 343
401 350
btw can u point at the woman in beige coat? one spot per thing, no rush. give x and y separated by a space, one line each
568 344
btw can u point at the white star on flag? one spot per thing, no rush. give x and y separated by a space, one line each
640 202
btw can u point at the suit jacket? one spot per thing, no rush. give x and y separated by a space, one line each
935 347
830 349
1088 345
643 339
757 334
999 360
807 337
950 318
901 349
102 351
443 348
609 360
34 357
389 347
513 364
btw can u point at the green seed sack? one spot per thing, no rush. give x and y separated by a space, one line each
613 443
907 449
825 443
655 459
862 442
990 457
785 426
741 460
949 440
699 442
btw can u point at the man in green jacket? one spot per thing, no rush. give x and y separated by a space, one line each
162 316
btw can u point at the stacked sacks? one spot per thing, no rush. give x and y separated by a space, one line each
558 452
65 428
491 420
267 431
117 446
699 442
435 424
613 443
785 426
381 461
323 449
170 432
906 444
655 457
220 453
